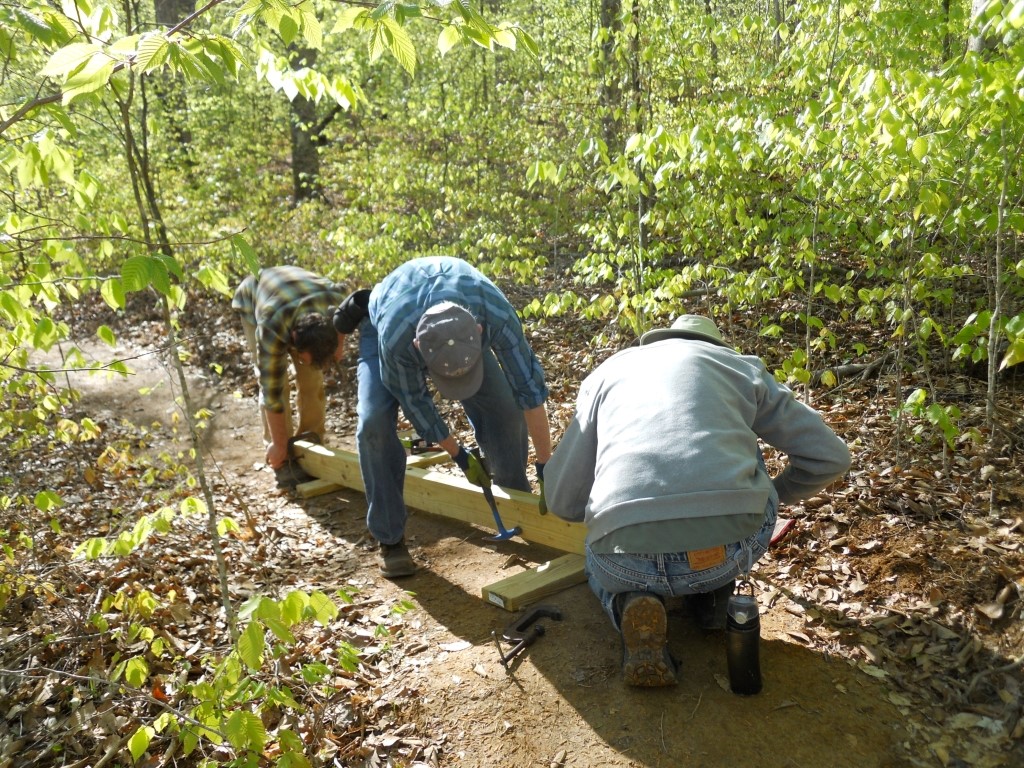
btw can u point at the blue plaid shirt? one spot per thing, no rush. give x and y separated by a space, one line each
397 303
273 301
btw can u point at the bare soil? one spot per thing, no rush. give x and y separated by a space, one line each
875 652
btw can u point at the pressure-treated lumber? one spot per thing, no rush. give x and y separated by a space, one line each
522 589
450 496
320 486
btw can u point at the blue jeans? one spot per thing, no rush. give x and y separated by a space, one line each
497 422
669 575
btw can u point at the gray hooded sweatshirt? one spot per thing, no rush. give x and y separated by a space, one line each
662 455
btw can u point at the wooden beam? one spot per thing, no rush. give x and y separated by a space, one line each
522 589
320 486
451 496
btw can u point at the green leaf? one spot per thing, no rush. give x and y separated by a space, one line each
280 630
323 607
93 548
154 51
106 336
505 38
1014 355
45 334
47 500
251 645
920 148
348 18
400 44
113 293
136 273
245 731
136 672
93 76
69 58
293 607
288 28
139 742
527 42
450 37
215 279
1015 15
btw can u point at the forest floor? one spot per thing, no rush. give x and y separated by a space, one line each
891 613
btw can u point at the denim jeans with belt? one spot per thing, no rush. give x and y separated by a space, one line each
670 575
496 418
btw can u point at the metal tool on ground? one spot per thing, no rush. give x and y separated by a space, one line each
503 532
523 632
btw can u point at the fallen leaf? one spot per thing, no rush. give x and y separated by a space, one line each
992 610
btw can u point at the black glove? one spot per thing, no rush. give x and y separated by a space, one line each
472 468
352 310
543 507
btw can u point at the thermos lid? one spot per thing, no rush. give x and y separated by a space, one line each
742 608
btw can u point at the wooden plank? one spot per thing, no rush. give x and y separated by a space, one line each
451 496
320 486
316 487
535 584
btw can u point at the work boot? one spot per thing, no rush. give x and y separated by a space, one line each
709 607
646 661
395 561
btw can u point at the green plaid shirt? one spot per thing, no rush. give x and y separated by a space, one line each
272 301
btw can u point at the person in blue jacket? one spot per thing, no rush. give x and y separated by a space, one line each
440 320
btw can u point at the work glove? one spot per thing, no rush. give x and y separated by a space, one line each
543 508
351 311
472 468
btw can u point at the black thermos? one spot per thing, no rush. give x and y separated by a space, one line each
742 635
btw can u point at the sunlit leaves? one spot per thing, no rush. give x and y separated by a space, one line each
112 292
248 254
153 51
136 672
245 731
139 741
47 500
251 645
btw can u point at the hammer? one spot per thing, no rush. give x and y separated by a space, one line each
517 633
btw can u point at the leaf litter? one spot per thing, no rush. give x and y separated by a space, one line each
912 575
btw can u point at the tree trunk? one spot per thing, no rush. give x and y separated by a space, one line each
609 93
979 41
305 138
171 88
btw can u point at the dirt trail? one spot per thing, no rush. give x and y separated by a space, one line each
565 704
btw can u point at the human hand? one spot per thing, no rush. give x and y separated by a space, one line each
543 506
277 455
472 468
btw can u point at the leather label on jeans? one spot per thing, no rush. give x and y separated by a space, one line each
702 559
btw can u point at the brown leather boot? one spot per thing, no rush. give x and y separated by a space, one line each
395 561
646 661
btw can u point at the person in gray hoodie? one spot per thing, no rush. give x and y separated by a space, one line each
663 464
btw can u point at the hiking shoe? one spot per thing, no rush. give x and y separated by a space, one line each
646 661
395 561
709 607
290 474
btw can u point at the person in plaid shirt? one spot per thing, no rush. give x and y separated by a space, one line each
285 313
439 319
